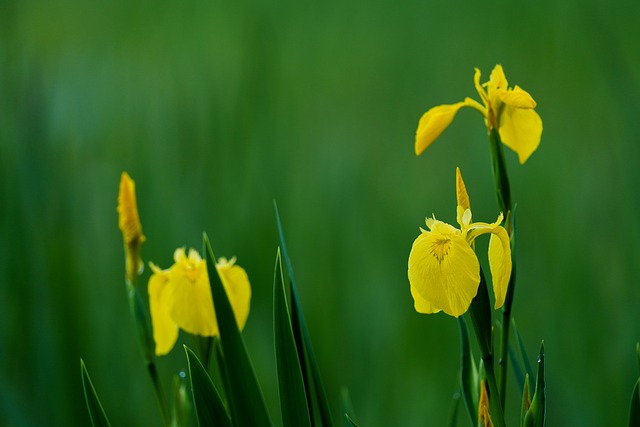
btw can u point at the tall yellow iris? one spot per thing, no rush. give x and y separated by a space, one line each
509 111
180 297
444 271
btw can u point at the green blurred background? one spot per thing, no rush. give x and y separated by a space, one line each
218 108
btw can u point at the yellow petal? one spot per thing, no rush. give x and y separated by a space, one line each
484 416
236 284
461 192
128 219
520 130
422 305
443 270
497 80
481 91
500 263
433 123
189 295
517 98
165 331
129 224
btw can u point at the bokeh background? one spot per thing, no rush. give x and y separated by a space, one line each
217 108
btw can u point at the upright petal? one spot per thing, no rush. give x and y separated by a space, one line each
433 123
461 192
443 271
422 305
484 415
165 331
128 219
520 130
236 284
129 224
500 263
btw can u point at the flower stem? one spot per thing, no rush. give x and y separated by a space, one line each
480 313
145 341
503 194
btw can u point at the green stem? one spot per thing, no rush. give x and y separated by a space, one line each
500 176
503 194
145 341
480 312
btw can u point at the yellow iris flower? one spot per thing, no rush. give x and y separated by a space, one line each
129 224
509 111
444 271
180 297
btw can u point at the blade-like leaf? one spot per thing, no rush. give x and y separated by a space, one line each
293 398
453 410
96 412
248 407
181 400
209 405
310 371
526 400
347 408
535 416
523 351
634 408
350 421
517 369
468 374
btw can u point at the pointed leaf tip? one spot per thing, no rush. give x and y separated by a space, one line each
96 412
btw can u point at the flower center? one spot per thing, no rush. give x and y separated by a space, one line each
440 249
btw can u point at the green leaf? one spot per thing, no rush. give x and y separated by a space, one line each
96 413
523 351
453 410
350 421
526 400
347 408
535 416
634 408
517 369
209 406
310 371
480 312
245 397
293 398
181 401
468 374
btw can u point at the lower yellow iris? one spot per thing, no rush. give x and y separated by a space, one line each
444 271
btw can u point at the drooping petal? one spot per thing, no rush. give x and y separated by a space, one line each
236 283
422 305
500 263
443 270
189 295
517 98
520 130
165 331
433 123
